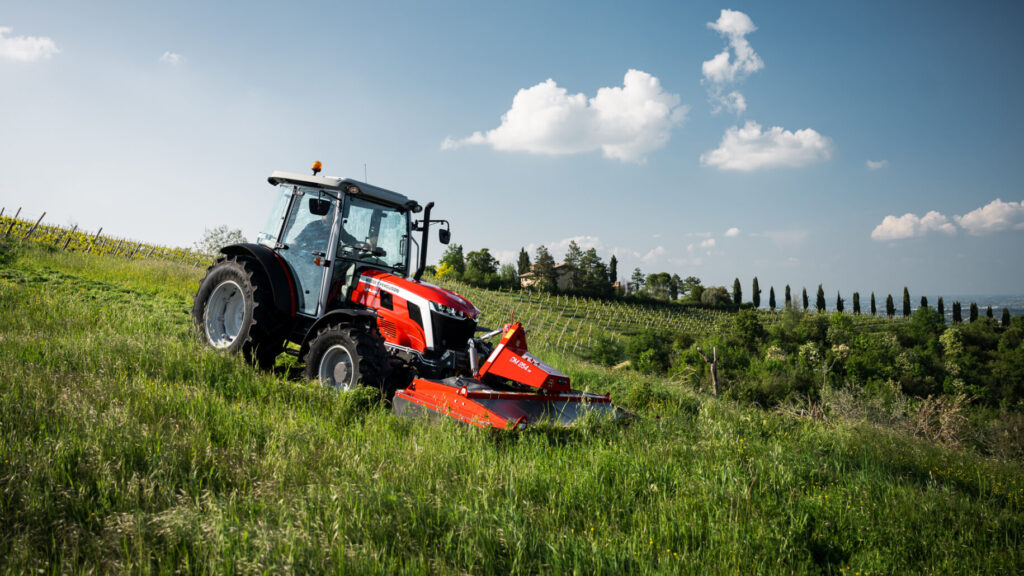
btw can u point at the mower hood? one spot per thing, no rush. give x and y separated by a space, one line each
448 300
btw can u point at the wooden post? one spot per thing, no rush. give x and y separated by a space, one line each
714 367
33 229
13 222
70 236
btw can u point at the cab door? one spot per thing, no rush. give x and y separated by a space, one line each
306 238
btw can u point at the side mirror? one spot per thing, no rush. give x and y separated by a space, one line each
444 235
319 207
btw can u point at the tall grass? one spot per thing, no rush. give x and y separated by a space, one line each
125 446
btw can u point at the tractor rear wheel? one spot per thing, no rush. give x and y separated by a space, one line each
344 356
233 311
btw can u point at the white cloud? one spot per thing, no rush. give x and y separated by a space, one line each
749 148
995 216
732 232
911 226
709 243
25 48
625 123
877 164
653 255
171 58
725 67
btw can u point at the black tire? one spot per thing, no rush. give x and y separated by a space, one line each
233 311
344 356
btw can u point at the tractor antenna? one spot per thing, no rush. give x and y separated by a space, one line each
365 179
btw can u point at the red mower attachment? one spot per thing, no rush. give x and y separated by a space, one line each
511 390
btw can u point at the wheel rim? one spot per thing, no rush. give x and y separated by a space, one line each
225 312
336 368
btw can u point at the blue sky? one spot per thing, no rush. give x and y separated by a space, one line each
862 146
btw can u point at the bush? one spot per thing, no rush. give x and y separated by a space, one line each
605 351
649 352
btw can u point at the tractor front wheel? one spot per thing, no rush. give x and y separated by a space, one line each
342 357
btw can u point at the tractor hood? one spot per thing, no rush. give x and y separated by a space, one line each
418 290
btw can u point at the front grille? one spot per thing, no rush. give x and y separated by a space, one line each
450 333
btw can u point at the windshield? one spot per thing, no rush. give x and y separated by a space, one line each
373 232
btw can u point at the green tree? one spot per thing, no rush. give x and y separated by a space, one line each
523 265
924 301
453 257
789 297
613 270
508 276
819 303
856 303
594 280
771 298
874 309
737 291
691 289
544 270
573 256
658 285
756 296
942 310
481 268
958 315
906 302
715 296
803 299
638 280
1005 320
747 329
988 312
839 303
673 287
974 312
890 306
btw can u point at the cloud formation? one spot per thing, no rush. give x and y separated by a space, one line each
910 226
625 123
25 48
751 148
727 67
171 58
995 216
732 232
877 164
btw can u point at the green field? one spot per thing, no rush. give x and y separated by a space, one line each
125 446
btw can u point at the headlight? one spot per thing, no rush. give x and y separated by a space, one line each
447 311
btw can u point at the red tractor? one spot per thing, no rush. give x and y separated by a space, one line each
334 272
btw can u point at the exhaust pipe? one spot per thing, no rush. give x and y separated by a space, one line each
423 246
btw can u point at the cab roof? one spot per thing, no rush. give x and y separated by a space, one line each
342 185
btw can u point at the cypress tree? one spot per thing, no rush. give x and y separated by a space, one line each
819 303
613 270
957 313
942 310
924 301
906 302
988 313
890 307
804 298
974 312
839 303
874 310
1006 317
856 303
789 298
523 265
756 296
737 292
771 298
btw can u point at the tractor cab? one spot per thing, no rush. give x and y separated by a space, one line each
328 230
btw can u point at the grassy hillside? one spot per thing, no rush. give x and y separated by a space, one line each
126 446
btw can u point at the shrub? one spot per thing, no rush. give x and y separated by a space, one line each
649 352
605 351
